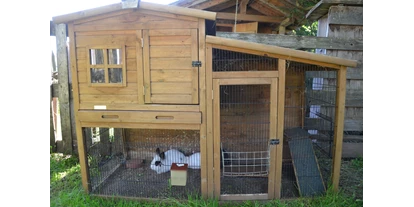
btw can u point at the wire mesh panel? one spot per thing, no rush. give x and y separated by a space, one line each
310 96
226 61
244 136
137 163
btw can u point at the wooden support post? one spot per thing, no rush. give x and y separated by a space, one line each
339 127
280 125
209 110
243 6
52 128
203 108
63 77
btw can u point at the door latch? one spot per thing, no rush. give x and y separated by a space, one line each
196 63
274 141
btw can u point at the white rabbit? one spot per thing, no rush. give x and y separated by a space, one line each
193 161
163 160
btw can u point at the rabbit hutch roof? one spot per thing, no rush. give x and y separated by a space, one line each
288 54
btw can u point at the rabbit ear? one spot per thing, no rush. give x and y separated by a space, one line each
162 155
158 151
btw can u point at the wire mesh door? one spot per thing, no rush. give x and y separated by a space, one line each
245 122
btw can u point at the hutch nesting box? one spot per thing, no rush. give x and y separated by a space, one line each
152 87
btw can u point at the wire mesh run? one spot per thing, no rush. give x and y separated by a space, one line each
127 162
226 61
310 97
244 136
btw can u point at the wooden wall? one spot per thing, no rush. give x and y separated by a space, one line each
348 28
129 28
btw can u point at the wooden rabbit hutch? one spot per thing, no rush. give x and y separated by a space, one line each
151 87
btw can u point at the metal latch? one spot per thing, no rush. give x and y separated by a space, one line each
274 141
196 63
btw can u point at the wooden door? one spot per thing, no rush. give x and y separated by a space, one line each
244 133
169 76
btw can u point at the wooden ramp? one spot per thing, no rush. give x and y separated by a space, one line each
308 175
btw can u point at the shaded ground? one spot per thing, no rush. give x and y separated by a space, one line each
351 179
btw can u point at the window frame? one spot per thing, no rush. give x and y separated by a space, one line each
106 66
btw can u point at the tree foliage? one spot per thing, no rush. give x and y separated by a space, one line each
308 29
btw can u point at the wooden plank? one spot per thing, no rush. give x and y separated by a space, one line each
132 17
255 81
222 6
101 40
169 15
63 77
243 197
171 63
249 17
143 5
172 99
170 40
106 99
243 6
140 117
165 32
321 8
216 137
194 70
93 33
264 9
308 175
83 160
170 51
140 125
172 88
131 89
201 88
279 50
87 13
179 10
246 74
280 125
146 64
206 4
273 185
171 75
52 128
246 28
139 67
345 15
209 116
167 24
147 107
272 55
339 128
102 16
297 42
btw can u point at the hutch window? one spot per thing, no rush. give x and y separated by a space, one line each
106 66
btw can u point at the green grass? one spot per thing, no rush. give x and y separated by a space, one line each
66 190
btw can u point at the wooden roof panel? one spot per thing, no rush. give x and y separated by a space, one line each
143 5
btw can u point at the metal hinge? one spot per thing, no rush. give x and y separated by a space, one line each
196 63
274 141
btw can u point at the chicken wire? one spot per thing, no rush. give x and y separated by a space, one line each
122 163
